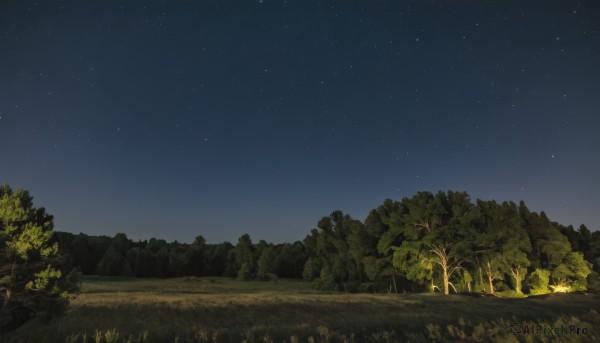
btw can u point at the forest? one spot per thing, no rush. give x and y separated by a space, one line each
441 242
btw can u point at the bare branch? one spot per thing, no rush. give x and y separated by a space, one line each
450 283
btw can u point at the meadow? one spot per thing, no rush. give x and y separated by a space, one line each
226 310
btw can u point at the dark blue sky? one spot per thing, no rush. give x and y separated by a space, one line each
173 119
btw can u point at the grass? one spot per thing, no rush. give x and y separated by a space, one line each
226 310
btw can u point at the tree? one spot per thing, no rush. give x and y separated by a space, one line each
176 264
329 245
496 226
111 263
217 260
466 281
311 269
414 262
292 260
419 218
267 265
594 251
243 256
385 223
32 272
571 275
580 268
548 245
86 251
449 262
325 282
114 261
437 233
194 257
514 259
538 281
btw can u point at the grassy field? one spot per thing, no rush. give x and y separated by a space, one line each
226 310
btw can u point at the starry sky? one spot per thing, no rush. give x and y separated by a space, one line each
172 119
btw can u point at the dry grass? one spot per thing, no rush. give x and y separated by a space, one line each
225 310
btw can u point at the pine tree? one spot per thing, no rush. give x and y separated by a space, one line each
32 274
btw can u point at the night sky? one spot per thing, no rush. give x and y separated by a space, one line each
178 118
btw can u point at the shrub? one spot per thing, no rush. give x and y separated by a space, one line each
325 282
538 281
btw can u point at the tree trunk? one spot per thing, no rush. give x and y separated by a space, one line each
490 277
445 274
481 279
395 288
517 276
443 261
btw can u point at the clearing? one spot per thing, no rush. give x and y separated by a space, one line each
226 310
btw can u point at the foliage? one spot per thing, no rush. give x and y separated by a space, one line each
33 273
325 282
311 269
573 272
593 282
441 241
267 265
538 281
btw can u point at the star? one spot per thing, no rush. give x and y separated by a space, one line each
361 99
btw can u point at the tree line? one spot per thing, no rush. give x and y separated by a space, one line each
120 256
428 242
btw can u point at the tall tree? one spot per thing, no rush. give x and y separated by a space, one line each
32 270
244 258
114 262
421 217
572 273
385 222
193 258
514 259
329 245
267 264
436 232
497 226
292 260
217 261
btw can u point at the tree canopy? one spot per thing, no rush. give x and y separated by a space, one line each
442 242
33 274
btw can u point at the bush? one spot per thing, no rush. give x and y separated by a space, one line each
538 281
325 282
